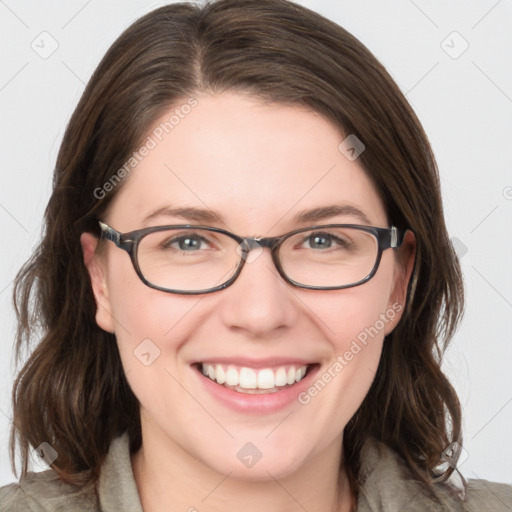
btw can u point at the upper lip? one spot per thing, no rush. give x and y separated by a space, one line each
256 363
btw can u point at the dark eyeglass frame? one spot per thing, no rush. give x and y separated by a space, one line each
387 238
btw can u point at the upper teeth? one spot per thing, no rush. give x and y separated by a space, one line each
248 378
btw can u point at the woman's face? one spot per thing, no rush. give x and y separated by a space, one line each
236 163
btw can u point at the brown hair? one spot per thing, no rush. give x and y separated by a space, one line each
72 392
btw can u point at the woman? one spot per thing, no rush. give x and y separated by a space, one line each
245 282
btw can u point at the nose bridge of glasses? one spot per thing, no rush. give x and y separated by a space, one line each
250 243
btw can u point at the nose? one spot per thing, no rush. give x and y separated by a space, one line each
259 303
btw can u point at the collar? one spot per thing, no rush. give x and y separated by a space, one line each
117 489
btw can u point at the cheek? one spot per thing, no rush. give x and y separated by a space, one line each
355 322
157 325
363 312
150 326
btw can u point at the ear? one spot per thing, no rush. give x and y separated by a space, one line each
403 271
96 267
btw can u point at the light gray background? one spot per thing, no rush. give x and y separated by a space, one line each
464 101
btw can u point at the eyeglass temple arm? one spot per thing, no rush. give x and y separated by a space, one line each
396 237
110 233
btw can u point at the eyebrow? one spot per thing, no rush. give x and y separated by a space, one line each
326 212
313 215
194 214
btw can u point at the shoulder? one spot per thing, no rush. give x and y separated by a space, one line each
114 491
386 485
45 492
482 495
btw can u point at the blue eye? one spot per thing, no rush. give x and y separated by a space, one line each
319 241
322 240
188 243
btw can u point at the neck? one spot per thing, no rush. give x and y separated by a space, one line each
169 478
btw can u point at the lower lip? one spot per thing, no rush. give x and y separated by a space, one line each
257 403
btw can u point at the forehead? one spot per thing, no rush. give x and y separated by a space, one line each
256 165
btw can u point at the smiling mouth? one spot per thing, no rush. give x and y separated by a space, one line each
254 381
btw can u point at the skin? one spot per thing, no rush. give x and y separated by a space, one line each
257 165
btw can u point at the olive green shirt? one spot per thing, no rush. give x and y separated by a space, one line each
386 487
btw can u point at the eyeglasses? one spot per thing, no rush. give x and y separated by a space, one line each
189 260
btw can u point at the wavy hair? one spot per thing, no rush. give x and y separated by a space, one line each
72 391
